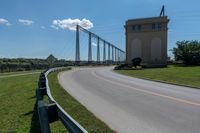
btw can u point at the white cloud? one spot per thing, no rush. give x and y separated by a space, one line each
4 21
54 27
94 44
25 21
42 27
71 23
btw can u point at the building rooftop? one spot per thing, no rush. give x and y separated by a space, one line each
162 19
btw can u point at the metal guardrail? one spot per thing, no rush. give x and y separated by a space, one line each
53 111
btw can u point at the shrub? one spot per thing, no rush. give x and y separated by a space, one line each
136 62
122 66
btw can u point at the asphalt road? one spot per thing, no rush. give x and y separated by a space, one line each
131 105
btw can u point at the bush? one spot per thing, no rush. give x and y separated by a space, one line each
188 52
122 66
20 69
136 62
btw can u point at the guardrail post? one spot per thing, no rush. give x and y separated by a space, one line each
43 117
42 83
40 93
52 112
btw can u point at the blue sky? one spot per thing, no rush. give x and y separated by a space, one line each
26 25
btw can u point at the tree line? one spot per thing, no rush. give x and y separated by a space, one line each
24 64
187 52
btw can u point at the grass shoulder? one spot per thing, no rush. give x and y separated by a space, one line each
75 109
19 72
18 109
172 74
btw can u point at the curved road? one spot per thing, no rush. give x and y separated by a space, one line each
131 105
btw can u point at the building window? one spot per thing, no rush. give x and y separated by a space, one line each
136 27
156 26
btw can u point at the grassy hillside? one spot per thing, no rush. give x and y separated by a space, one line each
18 104
172 74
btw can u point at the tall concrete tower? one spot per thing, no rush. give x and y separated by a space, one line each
147 38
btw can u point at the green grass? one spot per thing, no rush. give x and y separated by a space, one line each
75 109
18 112
19 72
172 74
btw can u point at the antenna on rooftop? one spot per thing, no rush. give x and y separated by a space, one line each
162 12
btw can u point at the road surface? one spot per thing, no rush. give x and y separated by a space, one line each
131 105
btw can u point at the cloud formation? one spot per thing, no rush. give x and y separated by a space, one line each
71 23
54 27
4 21
94 44
42 27
25 21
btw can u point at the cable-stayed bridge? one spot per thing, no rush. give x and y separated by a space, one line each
106 52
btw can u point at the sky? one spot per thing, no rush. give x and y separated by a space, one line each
37 28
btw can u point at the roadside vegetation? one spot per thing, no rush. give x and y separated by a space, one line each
18 109
25 64
188 52
8 65
75 109
186 75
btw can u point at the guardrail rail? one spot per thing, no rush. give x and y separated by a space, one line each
52 111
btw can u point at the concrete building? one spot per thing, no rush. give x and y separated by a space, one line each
147 38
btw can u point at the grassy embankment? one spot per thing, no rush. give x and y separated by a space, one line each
18 108
18 104
19 72
172 74
75 109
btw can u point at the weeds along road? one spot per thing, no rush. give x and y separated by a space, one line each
130 105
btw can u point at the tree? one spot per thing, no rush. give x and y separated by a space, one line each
188 52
